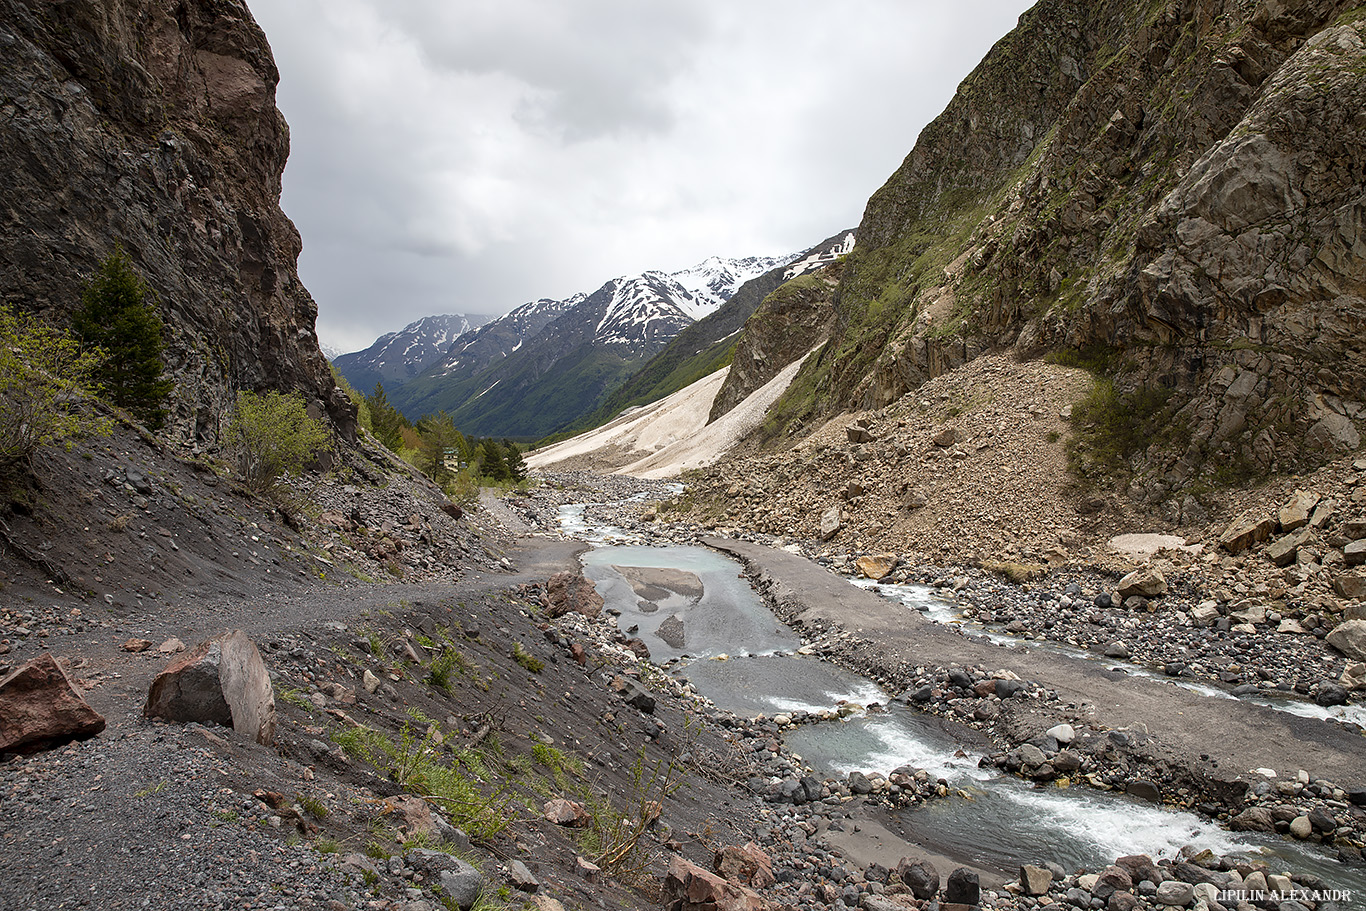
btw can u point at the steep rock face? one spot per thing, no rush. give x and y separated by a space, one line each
1177 185
787 324
152 124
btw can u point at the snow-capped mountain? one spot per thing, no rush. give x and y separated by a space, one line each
501 337
400 356
549 361
716 279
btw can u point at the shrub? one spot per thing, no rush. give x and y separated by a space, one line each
44 376
272 435
118 316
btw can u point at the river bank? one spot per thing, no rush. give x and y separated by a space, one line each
1123 734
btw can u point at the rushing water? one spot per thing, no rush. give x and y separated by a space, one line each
1004 821
941 610
738 655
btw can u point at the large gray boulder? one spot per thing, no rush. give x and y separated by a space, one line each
221 681
1145 582
461 881
1350 639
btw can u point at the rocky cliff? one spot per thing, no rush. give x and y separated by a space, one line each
152 124
1176 189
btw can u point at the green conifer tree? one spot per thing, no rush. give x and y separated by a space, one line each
492 465
386 421
118 316
513 457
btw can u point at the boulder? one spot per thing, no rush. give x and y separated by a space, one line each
1249 528
414 812
1354 554
1146 582
1350 639
1353 676
1035 880
221 681
1123 901
566 813
567 591
1351 586
1176 893
1144 789
1295 514
963 887
1063 733
945 437
634 694
1253 819
1111 880
40 708
1204 614
747 865
1140 867
459 880
1284 550
920 877
858 434
877 566
688 887
521 878
831 523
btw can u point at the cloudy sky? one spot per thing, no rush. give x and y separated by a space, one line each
467 157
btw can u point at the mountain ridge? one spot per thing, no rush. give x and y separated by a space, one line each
566 356
1163 189
397 357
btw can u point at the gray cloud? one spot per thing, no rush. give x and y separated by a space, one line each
469 157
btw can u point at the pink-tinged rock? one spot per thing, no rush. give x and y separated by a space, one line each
222 680
691 888
572 592
41 709
415 813
566 813
747 865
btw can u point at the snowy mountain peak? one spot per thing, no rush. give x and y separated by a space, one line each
645 308
397 357
716 279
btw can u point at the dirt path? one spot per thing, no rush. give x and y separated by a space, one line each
1212 738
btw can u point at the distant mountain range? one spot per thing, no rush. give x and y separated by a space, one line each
706 346
548 362
398 357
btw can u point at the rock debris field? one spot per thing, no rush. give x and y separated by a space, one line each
460 732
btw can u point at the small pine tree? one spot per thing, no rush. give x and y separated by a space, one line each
513 457
492 465
441 445
386 421
118 316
